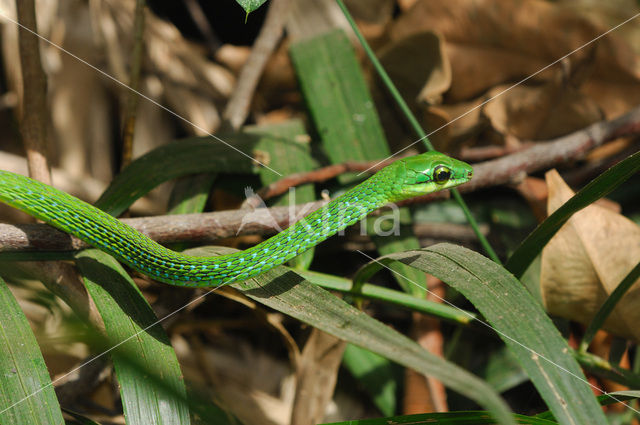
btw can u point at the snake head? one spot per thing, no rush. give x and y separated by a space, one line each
426 173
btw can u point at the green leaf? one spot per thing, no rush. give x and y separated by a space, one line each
250 5
190 156
148 372
503 371
376 374
449 418
338 99
177 159
518 319
286 291
596 189
26 392
190 194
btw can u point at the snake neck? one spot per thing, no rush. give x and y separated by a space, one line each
314 228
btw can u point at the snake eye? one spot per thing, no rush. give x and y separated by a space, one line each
441 174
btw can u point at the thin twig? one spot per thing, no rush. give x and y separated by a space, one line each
315 176
134 83
208 227
238 107
200 19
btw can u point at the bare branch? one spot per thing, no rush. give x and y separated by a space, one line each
209 227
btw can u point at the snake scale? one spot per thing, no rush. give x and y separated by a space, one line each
403 179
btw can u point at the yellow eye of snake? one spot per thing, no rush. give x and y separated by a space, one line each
441 174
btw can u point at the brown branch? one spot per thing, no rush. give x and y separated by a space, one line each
209 227
238 107
33 123
514 161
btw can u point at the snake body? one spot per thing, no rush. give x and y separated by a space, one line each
402 179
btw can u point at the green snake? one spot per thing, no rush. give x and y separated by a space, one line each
403 179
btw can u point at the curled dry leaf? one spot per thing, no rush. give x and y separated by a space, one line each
585 261
429 74
542 112
420 70
484 52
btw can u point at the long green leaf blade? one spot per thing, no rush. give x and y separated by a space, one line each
286 291
189 156
448 418
26 393
517 318
151 384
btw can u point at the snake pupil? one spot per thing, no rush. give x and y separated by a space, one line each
441 174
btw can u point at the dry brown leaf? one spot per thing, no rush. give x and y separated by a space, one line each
372 16
463 120
585 261
613 97
260 394
492 42
483 22
316 377
475 68
418 66
540 113
420 70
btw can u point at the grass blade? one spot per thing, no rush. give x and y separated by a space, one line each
148 372
608 306
519 320
449 418
344 115
289 161
26 393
